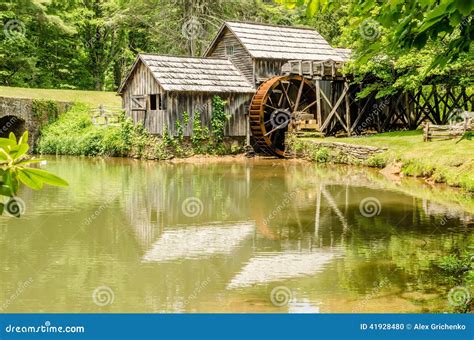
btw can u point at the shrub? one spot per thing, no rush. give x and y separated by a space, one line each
321 155
74 134
378 161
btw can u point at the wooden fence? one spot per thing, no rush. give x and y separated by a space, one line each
445 132
106 115
435 104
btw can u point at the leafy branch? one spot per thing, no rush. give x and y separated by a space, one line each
15 169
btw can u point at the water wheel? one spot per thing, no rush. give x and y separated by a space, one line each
276 107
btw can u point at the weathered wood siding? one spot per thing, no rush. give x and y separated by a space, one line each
241 58
142 83
236 107
267 68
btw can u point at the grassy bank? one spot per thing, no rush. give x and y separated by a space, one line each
93 98
441 161
73 133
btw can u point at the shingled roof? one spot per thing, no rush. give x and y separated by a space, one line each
345 53
194 74
279 42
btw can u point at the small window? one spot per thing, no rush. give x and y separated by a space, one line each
153 98
229 50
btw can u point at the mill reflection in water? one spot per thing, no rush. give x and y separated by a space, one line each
223 237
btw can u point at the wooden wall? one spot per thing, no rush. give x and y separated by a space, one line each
236 107
241 58
142 83
267 68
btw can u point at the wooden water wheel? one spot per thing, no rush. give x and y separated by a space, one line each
277 107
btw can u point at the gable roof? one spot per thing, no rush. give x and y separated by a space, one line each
189 74
279 42
345 53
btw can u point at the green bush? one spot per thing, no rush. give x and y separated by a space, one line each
378 161
321 155
74 134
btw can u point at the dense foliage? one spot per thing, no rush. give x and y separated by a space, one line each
90 44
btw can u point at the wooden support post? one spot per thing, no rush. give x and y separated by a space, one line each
318 99
348 110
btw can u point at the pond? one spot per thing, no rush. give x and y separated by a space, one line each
232 236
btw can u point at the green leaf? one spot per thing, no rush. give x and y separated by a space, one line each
30 161
22 150
5 143
45 176
29 180
2 207
5 191
23 138
12 137
465 7
312 8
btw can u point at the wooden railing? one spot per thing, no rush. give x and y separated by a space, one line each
446 132
106 115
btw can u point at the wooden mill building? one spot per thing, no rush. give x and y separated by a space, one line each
260 50
158 89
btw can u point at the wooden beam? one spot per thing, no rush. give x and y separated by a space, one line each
298 97
318 99
348 110
361 113
333 111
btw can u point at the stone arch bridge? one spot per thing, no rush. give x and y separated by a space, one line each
17 115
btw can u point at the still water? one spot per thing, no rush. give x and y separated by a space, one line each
239 236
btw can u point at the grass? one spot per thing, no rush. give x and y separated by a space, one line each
441 161
92 98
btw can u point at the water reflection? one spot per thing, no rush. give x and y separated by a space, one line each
191 242
264 267
260 224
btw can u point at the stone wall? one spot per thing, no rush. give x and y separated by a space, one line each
336 152
17 115
361 152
